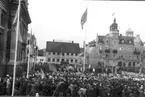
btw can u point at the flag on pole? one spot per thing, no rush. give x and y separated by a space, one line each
113 14
84 18
16 44
14 25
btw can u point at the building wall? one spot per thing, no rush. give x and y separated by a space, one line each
3 30
24 21
112 43
3 34
41 59
56 58
7 35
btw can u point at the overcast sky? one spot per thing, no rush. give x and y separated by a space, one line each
60 19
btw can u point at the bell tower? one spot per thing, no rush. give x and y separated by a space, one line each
114 26
114 32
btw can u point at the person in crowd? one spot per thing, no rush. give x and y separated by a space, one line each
73 84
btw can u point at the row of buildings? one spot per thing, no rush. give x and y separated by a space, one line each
59 53
110 50
8 10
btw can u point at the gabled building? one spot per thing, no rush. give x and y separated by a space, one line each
62 52
114 49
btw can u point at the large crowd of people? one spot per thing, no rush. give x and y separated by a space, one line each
74 84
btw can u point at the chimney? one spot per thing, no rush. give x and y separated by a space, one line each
53 40
72 41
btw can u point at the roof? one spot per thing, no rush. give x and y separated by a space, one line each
41 52
122 40
92 43
62 47
101 39
126 40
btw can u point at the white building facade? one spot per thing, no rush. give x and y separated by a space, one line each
40 59
62 53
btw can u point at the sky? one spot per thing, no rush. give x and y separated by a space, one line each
60 19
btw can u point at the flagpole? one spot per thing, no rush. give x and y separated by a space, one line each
15 60
84 66
29 56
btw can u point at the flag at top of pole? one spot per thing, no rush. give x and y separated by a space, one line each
16 21
14 25
84 18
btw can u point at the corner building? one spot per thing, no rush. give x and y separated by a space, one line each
116 50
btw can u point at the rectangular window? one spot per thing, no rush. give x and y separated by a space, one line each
48 59
71 60
53 60
133 64
53 53
67 54
57 60
76 61
129 64
62 54
3 18
62 60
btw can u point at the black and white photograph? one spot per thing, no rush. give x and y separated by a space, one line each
72 48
